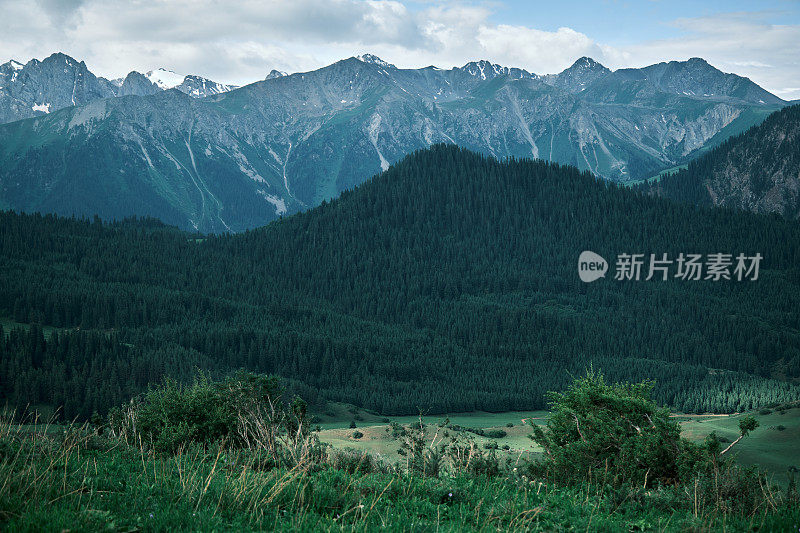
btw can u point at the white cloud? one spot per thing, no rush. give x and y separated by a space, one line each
744 43
543 51
239 42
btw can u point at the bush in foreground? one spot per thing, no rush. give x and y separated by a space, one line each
615 436
243 411
215 478
612 431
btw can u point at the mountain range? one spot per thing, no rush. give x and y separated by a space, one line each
40 87
237 159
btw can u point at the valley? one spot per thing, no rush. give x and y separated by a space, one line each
352 295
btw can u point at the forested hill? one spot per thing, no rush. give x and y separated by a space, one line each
447 283
758 170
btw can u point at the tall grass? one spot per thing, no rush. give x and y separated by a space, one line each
54 478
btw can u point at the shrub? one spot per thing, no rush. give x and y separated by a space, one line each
396 430
615 436
352 461
485 464
357 435
244 411
614 429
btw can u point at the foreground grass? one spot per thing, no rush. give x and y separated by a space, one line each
74 480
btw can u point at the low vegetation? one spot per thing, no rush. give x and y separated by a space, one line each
236 454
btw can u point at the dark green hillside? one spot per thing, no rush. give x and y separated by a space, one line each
758 170
448 283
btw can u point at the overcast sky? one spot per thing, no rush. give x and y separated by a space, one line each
240 42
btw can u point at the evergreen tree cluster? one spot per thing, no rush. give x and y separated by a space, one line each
448 283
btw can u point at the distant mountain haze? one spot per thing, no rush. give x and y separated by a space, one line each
215 158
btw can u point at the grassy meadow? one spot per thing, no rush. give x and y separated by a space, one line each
768 447
235 455
76 481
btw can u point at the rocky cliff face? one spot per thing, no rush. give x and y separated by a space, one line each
758 170
241 158
41 87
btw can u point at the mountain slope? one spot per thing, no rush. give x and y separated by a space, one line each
448 283
59 81
241 158
758 170
693 78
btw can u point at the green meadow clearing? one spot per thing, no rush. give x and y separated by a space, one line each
774 446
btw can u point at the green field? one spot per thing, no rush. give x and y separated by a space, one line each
768 447
773 450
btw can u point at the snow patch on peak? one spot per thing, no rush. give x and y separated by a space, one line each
165 79
486 70
374 60
482 68
44 108
276 74
15 65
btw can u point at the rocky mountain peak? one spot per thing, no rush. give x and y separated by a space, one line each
275 74
164 78
486 70
374 60
584 64
580 75
483 69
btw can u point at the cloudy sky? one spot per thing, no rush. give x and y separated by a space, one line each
239 42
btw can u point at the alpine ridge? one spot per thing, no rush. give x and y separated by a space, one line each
58 81
240 158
